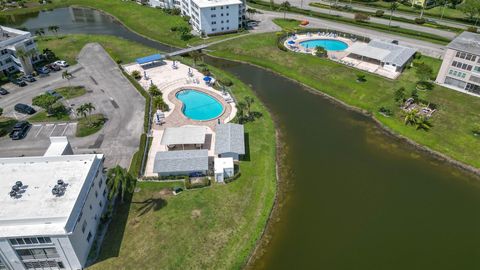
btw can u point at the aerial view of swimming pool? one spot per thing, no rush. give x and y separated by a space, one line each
328 44
198 105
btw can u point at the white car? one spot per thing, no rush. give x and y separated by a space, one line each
61 63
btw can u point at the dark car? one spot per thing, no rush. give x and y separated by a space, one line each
18 82
53 93
28 78
20 130
53 67
24 108
43 70
3 91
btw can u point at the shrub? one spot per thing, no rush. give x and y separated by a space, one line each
361 17
472 29
320 51
361 78
424 86
423 71
399 94
385 111
226 82
186 18
205 71
136 75
419 20
186 36
154 91
159 103
379 13
174 28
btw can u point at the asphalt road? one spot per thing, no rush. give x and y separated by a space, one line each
110 92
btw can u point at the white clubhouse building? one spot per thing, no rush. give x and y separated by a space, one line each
50 208
212 17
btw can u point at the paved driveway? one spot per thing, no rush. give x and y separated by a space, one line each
109 91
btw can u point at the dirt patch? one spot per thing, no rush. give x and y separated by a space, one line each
196 213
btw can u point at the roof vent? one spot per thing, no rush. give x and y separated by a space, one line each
17 190
59 189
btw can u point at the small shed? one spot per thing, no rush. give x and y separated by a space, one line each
224 168
229 140
182 162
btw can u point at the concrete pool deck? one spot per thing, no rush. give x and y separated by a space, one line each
170 81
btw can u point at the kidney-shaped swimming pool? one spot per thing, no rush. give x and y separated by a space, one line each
327 44
198 105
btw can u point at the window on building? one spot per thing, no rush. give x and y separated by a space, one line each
223 28
213 8
96 194
30 241
4 51
221 7
49 264
100 183
227 7
89 237
474 79
221 14
80 216
104 192
2 265
470 87
476 69
455 82
214 29
91 207
227 14
213 15
37 253
214 22
84 226
100 203
228 21
228 28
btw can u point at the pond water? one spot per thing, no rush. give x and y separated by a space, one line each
351 196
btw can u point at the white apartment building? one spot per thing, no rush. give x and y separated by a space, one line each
50 208
12 41
212 17
460 68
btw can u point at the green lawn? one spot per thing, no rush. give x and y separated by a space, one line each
70 92
67 47
43 117
452 123
90 125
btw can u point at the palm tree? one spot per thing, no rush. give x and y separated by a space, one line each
241 111
25 59
423 9
67 75
285 6
248 103
119 183
89 108
411 117
423 123
81 110
251 11
196 55
53 29
392 8
40 32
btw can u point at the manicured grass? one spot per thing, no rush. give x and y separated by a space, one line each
452 123
211 228
370 25
43 117
67 47
89 125
70 92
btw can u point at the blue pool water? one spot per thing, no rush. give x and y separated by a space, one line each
327 44
198 105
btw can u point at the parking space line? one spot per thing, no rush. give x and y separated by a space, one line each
51 132
37 125
65 129
38 132
49 125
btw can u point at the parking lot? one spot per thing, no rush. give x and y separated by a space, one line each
109 91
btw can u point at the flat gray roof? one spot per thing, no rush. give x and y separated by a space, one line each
184 135
466 42
229 138
181 161
383 51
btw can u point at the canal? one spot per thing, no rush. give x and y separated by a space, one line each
352 197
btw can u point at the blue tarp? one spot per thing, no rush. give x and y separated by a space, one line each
291 42
150 58
207 79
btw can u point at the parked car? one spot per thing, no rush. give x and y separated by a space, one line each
20 130
61 63
53 93
24 108
28 78
3 91
43 70
53 67
18 82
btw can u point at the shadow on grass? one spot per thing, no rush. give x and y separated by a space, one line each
116 229
246 157
152 204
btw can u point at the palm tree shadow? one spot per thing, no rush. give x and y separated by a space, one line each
152 204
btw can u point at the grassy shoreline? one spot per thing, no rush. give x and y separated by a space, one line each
451 134
211 228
